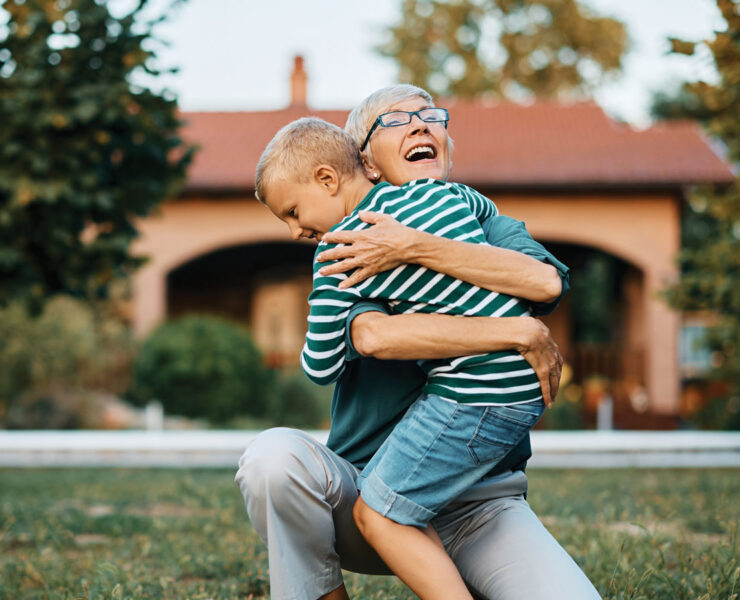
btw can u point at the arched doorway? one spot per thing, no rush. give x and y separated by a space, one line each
601 329
264 286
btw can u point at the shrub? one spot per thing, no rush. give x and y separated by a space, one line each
564 414
72 345
202 367
720 414
567 410
300 403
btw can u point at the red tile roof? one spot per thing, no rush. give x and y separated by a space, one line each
539 145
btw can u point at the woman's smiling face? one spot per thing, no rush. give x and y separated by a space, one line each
417 150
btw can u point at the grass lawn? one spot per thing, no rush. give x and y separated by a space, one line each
89 533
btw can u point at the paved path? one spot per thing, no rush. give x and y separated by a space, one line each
551 449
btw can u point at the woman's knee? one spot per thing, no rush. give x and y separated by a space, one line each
275 461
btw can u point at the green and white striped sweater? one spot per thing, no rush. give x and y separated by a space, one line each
450 210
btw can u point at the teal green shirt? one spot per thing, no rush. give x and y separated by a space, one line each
372 395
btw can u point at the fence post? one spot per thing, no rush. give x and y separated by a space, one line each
154 416
605 414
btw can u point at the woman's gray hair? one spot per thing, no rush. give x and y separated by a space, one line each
361 119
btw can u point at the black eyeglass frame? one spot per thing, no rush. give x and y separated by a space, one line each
411 114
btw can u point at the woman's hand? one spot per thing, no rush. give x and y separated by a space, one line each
379 248
543 355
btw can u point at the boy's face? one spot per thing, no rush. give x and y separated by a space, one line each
308 208
391 146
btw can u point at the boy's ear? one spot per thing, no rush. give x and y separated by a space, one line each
327 177
371 171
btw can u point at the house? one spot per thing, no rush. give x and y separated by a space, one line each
586 186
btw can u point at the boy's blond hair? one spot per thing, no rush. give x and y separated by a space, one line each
301 146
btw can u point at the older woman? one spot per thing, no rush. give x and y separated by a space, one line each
299 493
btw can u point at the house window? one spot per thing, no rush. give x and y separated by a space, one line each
695 357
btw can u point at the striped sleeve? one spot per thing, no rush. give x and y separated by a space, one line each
440 208
482 207
432 206
323 355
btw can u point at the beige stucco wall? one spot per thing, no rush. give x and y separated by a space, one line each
184 230
643 230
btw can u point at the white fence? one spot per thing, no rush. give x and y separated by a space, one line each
551 449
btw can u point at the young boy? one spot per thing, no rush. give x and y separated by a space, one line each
473 410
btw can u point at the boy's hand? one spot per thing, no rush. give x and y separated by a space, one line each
379 248
543 355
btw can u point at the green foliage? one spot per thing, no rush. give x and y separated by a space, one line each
171 534
677 103
566 413
83 151
300 403
592 296
467 48
202 367
710 259
70 346
719 414
563 415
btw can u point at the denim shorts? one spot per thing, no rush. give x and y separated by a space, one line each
437 451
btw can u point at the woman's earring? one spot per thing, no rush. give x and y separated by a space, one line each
375 175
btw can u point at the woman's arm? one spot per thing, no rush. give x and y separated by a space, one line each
429 336
388 244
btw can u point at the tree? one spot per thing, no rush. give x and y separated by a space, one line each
467 48
710 258
83 151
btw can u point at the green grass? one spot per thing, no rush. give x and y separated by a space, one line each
166 534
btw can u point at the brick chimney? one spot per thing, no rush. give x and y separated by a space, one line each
298 83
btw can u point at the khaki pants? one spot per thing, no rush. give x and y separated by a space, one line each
299 496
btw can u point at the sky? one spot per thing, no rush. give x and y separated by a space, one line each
238 54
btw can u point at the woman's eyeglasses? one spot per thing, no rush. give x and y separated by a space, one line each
403 117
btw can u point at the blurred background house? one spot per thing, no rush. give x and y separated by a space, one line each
603 197
104 172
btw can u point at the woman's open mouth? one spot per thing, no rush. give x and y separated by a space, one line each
420 153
